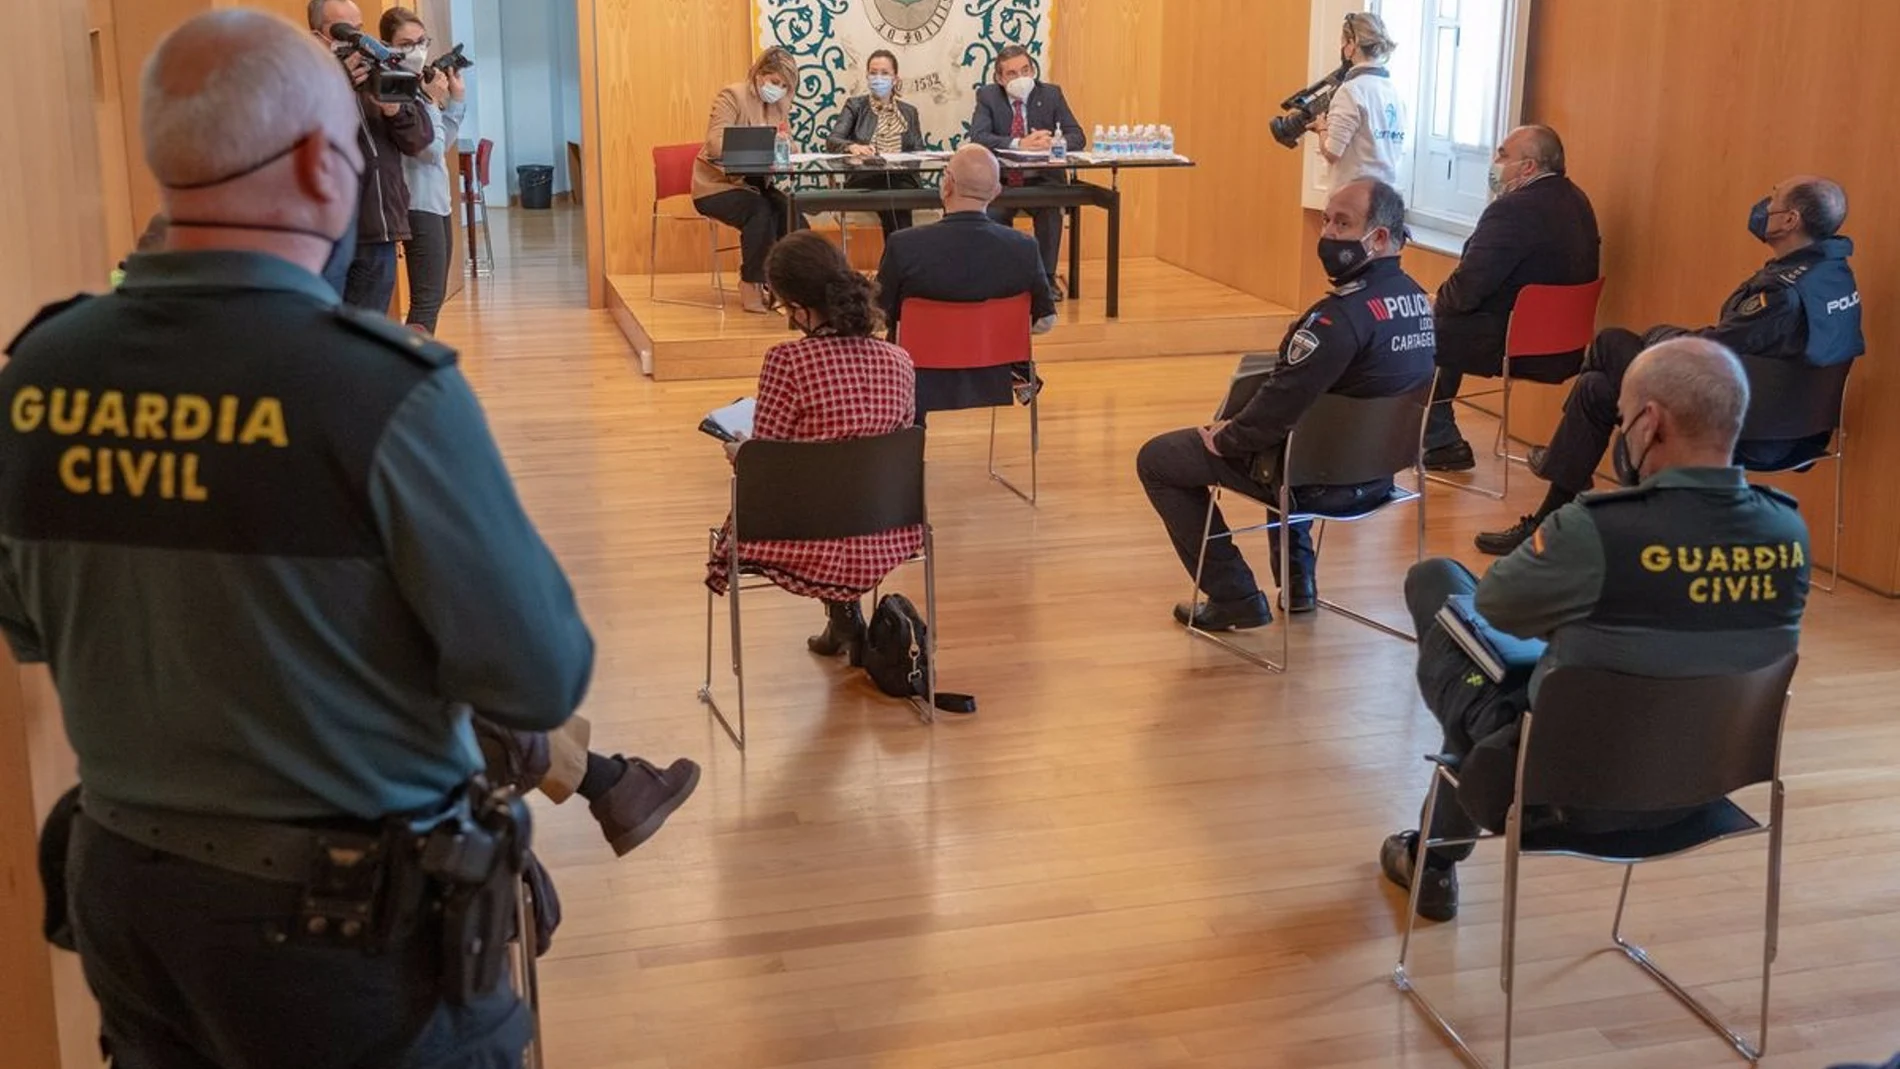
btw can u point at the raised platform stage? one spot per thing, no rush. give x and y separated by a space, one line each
1165 312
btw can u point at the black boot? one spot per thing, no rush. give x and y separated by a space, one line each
844 630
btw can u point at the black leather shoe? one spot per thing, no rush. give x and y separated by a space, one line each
1301 596
1056 291
1438 898
844 630
1454 457
1535 458
1505 542
1242 615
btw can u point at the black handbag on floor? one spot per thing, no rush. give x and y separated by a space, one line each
897 654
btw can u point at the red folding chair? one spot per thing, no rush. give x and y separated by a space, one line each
673 177
969 336
1546 321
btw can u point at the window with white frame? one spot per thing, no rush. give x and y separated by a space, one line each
1460 67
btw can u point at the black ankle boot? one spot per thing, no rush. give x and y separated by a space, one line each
844 630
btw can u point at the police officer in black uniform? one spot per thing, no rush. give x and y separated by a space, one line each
1689 571
1371 336
271 555
1803 305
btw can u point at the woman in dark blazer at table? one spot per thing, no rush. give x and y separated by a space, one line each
877 124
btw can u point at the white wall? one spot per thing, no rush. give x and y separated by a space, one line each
479 24
525 95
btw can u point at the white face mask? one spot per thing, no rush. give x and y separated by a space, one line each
416 58
1020 88
771 92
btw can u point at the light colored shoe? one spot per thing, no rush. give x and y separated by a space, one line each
752 298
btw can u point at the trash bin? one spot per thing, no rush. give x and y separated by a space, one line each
537 185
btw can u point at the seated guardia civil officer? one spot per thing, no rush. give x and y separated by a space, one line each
271 556
1803 305
1371 336
966 257
1688 571
1540 231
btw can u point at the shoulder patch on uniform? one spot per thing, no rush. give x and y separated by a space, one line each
419 347
1753 306
47 315
1302 344
1349 288
1772 493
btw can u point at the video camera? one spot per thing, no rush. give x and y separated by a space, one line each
1303 107
389 80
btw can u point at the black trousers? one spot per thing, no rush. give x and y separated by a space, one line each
1474 345
371 283
890 221
761 214
182 959
427 254
1048 222
1177 472
1590 414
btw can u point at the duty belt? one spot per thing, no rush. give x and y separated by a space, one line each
281 853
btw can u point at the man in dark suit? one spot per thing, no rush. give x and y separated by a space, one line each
966 257
1022 113
1540 230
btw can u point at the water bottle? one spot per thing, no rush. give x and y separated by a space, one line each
1098 145
782 147
1167 141
1059 147
1124 141
1151 140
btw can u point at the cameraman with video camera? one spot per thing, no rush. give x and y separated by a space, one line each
389 131
1362 133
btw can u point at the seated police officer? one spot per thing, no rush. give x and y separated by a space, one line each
269 550
1371 336
1803 305
1637 580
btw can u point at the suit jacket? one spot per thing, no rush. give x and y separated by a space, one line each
857 125
736 105
1046 107
1542 234
966 257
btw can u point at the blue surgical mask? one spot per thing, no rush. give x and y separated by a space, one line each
882 84
771 92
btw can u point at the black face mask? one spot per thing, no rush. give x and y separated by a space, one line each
342 248
1343 258
1629 470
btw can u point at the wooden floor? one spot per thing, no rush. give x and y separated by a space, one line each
1163 309
1141 853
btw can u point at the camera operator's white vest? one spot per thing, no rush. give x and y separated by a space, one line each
1368 109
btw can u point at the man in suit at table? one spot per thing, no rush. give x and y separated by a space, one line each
1022 113
967 257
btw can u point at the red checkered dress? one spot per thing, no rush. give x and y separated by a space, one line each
825 389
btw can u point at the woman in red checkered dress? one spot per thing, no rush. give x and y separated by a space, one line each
837 382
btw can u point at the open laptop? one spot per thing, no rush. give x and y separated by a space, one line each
747 146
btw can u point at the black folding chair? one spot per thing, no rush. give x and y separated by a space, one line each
815 491
1340 441
1601 740
1789 400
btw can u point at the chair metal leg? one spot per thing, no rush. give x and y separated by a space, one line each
733 584
527 982
1194 601
653 261
1400 978
1507 965
928 712
1034 437
485 265
1358 617
1840 513
1500 449
1750 1051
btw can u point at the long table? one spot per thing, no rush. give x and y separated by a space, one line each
815 186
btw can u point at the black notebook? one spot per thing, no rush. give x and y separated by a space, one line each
1499 655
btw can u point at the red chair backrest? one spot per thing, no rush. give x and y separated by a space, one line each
1549 320
960 335
484 151
673 169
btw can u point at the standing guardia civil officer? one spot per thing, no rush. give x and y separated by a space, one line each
271 555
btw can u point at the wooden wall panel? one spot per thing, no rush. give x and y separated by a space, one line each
52 243
1236 218
657 68
1677 117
